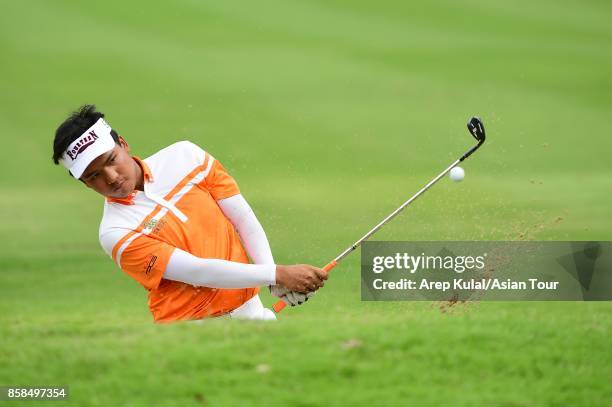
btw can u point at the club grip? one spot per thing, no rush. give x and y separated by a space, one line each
280 304
329 266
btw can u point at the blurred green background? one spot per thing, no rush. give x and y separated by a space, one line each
329 114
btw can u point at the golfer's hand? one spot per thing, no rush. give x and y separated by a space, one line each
292 298
301 278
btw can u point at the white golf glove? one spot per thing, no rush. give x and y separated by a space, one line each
292 298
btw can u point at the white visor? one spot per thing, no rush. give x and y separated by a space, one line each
94 142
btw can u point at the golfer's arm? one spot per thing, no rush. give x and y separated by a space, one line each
214 273
252 234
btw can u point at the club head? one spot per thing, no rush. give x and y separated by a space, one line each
476 129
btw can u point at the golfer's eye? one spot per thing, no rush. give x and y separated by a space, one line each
93 176
112 160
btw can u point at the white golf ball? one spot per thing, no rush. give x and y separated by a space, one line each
457 174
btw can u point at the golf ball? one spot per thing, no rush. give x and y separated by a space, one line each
457 174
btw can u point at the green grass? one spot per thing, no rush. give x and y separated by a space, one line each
329 114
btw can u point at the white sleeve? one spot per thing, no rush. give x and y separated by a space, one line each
214 273
238 211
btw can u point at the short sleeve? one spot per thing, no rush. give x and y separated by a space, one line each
144 259
219 183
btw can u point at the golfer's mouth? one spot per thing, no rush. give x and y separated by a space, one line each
118 186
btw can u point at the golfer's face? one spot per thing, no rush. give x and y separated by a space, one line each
113 174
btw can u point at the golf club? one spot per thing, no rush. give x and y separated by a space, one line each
476 129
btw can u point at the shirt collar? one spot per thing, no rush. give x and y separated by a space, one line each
146 171
147 176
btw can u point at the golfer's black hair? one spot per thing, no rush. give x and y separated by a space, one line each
73 127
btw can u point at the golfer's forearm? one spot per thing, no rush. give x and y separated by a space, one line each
252 234
214 273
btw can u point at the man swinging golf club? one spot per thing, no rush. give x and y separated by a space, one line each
177 223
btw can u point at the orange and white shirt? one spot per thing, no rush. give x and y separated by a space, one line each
177 209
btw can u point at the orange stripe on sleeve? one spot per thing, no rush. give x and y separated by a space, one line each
120 243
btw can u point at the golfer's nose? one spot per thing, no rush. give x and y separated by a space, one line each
111 175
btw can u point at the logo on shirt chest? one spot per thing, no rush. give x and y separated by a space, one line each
153 226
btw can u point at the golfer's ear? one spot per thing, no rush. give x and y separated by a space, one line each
124 144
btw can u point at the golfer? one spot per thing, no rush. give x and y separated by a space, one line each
177 223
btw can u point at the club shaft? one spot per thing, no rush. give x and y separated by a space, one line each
480 136
395 213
